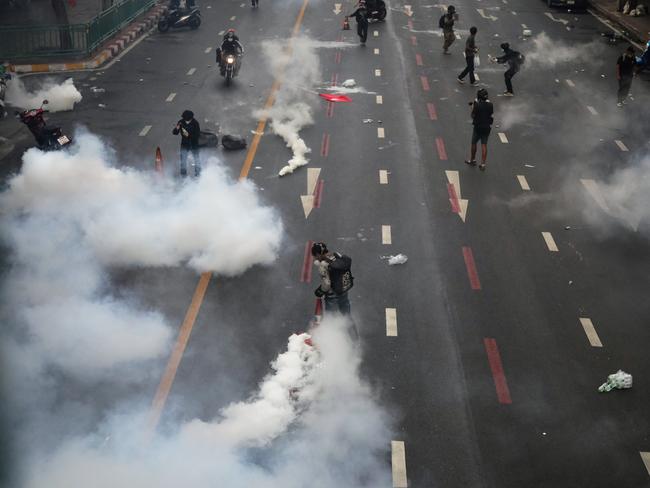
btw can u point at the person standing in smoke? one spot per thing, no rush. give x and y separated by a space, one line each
625 73
514 60
361 16
446 23
190 131
470 52
482 111
335 278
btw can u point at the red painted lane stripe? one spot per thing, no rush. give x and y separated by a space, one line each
329 111
494 358
425 83
418 59
305 275
318 193
325 145
453 198
431 108
471 268
410 24
414 40
442 152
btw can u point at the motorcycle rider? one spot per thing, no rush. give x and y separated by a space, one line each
230 45
361 16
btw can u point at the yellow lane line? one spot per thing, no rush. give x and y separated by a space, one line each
160 399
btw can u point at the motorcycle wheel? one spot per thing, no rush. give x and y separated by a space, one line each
381 14
163 25
228 79
195 23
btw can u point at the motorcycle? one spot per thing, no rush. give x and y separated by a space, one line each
3 91
175 18
230 68
47 138
376 10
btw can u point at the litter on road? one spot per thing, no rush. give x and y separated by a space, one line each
619 380
396 259
349 83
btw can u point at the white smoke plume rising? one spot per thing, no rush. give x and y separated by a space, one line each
316 421
548 53
61 96
69 216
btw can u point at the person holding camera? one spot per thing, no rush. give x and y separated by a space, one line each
446 23
482 111
335 278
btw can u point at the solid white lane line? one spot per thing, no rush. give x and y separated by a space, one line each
592 110
398 462
645 457
220 33
145 130
191 71
513 12
170 97
383 177
208 50
375 33
523 182
590 330
524 26
621 146
570 83
391 322
550 242
503 137
377 72
376 51
386 235
380 99
233 18
380 133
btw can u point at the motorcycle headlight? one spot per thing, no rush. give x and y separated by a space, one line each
230 60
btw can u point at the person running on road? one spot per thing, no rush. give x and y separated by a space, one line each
625 73
190 131
482 111
514 59
470 52
361 16
335 278
446 23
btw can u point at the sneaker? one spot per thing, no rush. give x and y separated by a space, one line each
471 163
619 104
508 94
481 166
461 81
474 83
183 173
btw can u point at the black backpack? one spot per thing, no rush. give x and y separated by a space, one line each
233 142
340 274
441 22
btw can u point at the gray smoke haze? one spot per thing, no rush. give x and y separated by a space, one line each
548 53
61 96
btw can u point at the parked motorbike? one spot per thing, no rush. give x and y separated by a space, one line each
47 138
3 91
175 18
376 10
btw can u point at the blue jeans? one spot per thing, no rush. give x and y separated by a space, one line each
338 303
195 158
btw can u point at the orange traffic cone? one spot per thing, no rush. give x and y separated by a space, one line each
158 165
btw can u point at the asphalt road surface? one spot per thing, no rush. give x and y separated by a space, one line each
524 286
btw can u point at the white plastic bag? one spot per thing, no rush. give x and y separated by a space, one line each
397 259
477 61
619 380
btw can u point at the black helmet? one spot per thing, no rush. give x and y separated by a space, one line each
482 94
187 115
318 248
505 46
451 9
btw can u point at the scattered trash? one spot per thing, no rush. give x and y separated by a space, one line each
567 227
258 167
603 76
543 433
529 165
349 83
496 35
148 59
556 80
94 89
335 98
379 121
527 32
367 121
251 85
257 133
397 259
101 105
141 80
619 380
571 282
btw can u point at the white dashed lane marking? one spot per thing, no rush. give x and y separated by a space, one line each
391 322
645 457
503 137
590 330
383 177
376 50
375 33
398 462
523 182
379 99
170 97
592 110
550 242
621 146
220 33
380 133
233 18
208 50
377 72
191 71
145 130
570 83
386 237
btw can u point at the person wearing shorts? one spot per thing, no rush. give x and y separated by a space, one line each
482 111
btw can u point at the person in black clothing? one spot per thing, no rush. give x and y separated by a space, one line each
230 45
446 23
470 52
361 16
625 73
482 110
514 60
190 131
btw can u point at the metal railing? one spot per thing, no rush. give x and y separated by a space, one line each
74 40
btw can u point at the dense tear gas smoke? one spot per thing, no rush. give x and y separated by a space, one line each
547 53
318 422
69 215
61 96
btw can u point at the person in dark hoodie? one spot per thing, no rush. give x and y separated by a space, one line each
482 111
190 131
361 16
514 60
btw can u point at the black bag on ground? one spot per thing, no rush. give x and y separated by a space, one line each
208 139
340 273
233 142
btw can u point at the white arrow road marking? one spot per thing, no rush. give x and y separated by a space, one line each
391 322
386 235
383 177
523 182
337 8
308 199
619 212
398 463
379 99
645 457
482 14
590 330
407 10
454 179
550 16
550 242
145 130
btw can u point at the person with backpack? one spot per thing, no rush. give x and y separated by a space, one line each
482 111
190 131
446 23
335 278
514 60
361 16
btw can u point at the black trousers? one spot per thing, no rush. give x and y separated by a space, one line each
624 85
362 30
468 69
508 76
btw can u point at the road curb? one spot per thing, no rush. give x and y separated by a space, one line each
630 30
115 46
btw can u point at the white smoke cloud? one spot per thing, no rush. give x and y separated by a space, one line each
317 421
61 96
548 53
